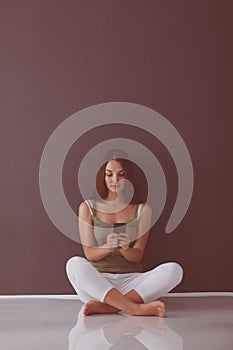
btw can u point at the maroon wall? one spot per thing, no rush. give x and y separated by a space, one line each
58 57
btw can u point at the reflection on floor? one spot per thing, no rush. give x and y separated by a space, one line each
52 324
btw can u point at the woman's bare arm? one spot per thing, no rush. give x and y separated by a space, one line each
136 253
91 252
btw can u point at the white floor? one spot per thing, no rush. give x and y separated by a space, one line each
58 324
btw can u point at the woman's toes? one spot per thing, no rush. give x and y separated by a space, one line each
85 310
161 311
161 304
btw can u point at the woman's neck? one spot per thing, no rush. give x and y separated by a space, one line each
115 197
112 203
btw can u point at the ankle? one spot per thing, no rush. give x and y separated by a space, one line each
135 309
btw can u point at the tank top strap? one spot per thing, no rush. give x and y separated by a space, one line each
138 211
90 205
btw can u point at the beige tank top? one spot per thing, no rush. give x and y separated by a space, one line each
114 262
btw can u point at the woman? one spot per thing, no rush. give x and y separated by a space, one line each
114 232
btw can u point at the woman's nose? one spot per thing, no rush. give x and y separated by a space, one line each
115 178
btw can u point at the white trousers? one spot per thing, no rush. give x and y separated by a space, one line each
90 284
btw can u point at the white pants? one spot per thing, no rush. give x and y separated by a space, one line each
90 284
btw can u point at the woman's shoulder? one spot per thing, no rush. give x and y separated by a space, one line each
146 205
143 205
144 208
85 208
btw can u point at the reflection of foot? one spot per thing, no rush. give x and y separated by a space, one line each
156 308
155 324
95 307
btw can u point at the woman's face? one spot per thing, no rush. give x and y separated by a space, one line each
114 172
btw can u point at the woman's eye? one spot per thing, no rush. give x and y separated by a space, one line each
120 174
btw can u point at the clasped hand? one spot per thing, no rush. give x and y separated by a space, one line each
115 240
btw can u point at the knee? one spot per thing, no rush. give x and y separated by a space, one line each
74 265
176 272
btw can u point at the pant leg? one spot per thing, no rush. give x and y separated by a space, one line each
86 280
153 284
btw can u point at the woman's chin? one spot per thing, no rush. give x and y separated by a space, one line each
114 188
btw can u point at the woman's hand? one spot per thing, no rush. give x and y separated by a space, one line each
123 240
120 240
112 240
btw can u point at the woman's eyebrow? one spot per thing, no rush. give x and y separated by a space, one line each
119 171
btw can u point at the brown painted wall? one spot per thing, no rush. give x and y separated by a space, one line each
58 57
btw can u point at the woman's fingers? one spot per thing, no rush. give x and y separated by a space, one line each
123 235
113 235
112 240
123 240
118 240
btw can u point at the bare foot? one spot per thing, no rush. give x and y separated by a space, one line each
96 307
156 308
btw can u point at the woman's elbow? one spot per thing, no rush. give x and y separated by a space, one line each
87 253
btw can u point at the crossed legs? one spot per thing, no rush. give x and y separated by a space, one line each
100 295
132 306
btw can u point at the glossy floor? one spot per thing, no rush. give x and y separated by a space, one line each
52 324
